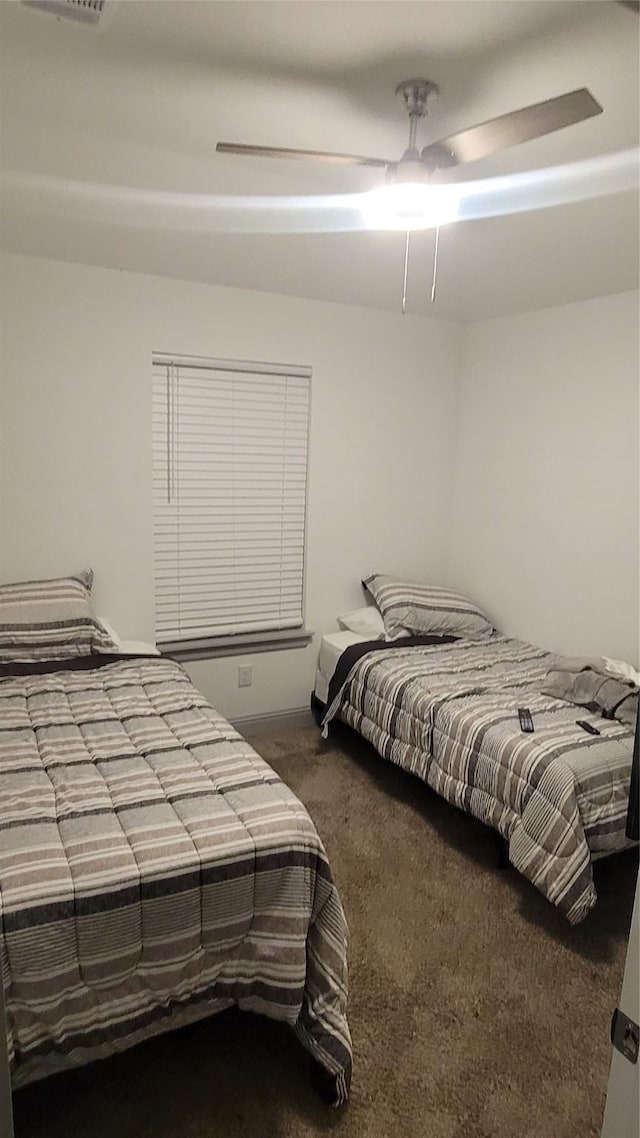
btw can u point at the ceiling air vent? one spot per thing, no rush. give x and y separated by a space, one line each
82 11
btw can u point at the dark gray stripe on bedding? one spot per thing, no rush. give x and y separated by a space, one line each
234 990
42 915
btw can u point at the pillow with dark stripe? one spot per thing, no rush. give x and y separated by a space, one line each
50 620
425 609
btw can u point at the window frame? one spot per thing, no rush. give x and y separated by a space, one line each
248 641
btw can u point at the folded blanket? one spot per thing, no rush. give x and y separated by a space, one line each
587 682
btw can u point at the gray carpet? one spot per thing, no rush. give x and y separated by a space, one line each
476 1010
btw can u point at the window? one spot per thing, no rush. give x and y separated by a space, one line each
230 481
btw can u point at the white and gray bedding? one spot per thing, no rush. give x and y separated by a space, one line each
153 870
411 607
448 713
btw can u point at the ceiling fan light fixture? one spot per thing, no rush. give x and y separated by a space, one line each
410 205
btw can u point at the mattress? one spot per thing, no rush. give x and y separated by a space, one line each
332 646
153 870
137 648
127 647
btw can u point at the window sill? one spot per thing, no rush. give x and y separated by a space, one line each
244 644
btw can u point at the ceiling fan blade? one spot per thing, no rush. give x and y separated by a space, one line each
513 128
307 155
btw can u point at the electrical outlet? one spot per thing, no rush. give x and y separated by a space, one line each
245 677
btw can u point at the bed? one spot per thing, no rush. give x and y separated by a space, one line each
153 870
447 711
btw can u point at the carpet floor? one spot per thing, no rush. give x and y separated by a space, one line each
476 1010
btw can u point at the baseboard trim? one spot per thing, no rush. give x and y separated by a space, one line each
274 720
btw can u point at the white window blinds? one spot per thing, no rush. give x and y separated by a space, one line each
230 475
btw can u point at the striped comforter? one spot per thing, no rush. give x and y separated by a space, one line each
449 715
154 870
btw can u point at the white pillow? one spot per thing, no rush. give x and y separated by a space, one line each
366 622
110 630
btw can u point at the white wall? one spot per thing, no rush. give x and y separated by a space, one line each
545 526
76 441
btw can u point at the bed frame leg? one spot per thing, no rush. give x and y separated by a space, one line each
6 1115
317 708
502 848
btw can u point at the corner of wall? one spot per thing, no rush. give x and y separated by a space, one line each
462 353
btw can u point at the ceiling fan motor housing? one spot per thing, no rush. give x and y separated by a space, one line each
409 169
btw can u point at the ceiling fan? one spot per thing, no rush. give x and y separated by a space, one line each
465 146
410 179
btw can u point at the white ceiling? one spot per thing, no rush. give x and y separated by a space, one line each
141 101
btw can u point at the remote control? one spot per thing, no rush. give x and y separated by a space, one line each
526 722
587 726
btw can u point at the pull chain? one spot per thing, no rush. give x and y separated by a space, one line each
435 265
434 278
406 270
